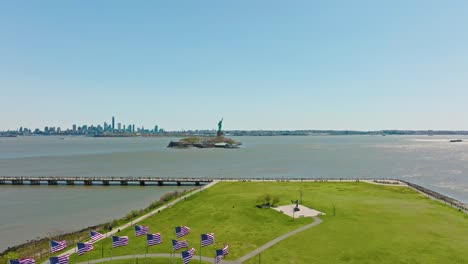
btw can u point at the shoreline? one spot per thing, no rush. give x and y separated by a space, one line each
82 234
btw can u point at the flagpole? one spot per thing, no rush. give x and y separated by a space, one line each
134 259
200 251
111 252
102 248
89 255
146 252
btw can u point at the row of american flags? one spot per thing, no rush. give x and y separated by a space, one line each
118 241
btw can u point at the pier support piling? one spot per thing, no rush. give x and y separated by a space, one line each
52 182
17 182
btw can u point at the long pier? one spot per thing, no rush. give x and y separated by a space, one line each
159 181
123 181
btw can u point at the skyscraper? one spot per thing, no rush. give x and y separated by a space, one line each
113 124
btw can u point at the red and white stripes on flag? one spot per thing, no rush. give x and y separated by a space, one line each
84 247
181 231
153 239
141 230
118 241
207 239
95 236
57 245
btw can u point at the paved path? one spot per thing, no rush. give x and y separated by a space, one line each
143 217
160 255
276 240
237 261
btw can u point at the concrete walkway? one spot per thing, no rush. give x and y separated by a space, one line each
276 240
156 255
141 218
237 261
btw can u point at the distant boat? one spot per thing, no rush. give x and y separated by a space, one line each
456 140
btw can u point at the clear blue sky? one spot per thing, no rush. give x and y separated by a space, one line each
363 65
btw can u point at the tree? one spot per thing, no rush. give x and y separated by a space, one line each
275 200
267 199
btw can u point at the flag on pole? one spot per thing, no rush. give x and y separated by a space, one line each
153 239
118 241
207 239
225 249
84 247
187 255
22 261
176 245
57 245
60 259
220 253
95 236
141 230
181 231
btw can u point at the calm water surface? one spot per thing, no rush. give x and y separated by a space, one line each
31 211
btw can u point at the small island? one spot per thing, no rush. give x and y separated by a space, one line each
219 141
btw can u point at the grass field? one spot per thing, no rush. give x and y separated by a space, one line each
149 261
225 209
372 224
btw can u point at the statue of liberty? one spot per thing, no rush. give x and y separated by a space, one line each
220 126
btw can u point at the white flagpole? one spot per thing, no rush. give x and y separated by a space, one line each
146 252
134 258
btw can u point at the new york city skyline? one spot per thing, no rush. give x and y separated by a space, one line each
260 65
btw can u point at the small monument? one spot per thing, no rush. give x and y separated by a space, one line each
220 126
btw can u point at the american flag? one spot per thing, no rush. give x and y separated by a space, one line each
181 231
95 236
187 255
22 261
84 247
225 249
60 259
57 245
118 241
207 239
141 230
153 239
220 253
176 245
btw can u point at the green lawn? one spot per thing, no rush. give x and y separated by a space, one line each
373 224
152 261
227 209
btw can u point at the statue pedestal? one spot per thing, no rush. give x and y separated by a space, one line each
220 133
